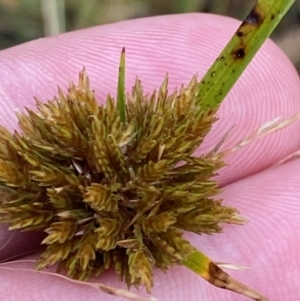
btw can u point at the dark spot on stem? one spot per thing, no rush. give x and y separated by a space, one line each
240 34
254 17
239 53
272 16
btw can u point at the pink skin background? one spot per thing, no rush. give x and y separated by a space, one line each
181 45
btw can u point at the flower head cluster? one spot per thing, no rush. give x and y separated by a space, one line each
109 193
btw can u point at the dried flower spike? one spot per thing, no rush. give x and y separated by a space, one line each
114 193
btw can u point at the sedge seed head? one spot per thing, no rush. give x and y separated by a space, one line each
109 193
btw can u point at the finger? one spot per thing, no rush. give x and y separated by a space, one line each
268 245
181 45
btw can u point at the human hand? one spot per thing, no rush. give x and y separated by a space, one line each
181 45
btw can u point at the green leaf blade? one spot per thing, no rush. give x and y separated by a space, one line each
121 96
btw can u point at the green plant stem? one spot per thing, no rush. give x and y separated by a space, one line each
233 60
121 97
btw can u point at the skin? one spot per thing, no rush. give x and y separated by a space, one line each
268 197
